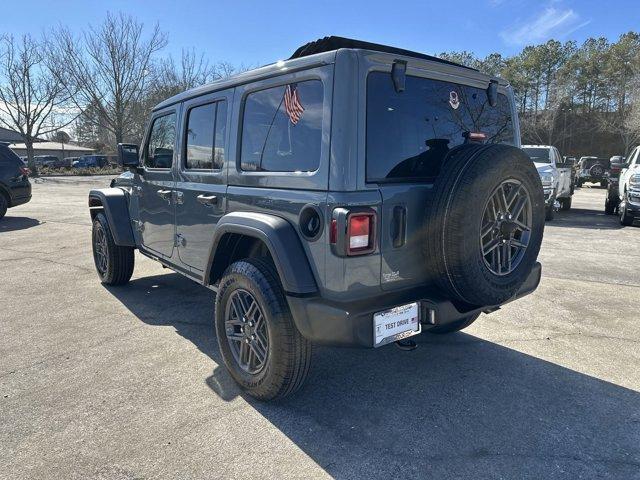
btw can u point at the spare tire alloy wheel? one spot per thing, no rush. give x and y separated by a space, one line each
597 170
484 224
247 332
506 227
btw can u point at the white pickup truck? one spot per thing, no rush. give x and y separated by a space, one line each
555 176
629 189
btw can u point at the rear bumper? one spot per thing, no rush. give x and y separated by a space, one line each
20 193
351 325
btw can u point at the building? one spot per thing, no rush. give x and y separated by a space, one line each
57 149
9 136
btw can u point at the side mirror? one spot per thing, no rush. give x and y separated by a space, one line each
128 155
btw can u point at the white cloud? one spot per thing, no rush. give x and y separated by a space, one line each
551 22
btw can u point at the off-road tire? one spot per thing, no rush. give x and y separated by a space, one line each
3 205
289 353
565 203
120 260
454 326
549 214
469 176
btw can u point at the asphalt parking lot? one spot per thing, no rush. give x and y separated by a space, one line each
124 383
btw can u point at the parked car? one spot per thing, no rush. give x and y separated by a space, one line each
15 188
314 226
629 189
612 199
91 161
45 160
555 176
592 169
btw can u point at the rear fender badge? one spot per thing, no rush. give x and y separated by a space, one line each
454 101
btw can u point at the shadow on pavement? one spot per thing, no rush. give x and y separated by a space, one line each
10 224
585 218
457 407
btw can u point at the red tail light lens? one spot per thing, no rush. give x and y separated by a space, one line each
360 233
25 171
333 232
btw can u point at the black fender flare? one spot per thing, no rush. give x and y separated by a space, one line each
115 205
282 241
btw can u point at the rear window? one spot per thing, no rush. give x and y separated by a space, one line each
410 133
540 155
8 157
282 128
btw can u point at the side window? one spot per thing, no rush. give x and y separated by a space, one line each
282 128
206 127
159 151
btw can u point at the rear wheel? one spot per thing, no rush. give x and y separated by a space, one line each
454 326
114 263
260 344
603 183
549 213
609 208
565 203
485 223
3 205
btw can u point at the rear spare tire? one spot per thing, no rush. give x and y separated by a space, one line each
485 223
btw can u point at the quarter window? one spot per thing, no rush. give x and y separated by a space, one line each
159 152
206 127
282 128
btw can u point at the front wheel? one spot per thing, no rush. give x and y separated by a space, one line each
454 326
114 263
565 203
259 342
625 219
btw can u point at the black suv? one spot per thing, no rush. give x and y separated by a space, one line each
15 188
353 195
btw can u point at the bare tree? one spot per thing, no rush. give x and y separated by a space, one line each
110 67
30 96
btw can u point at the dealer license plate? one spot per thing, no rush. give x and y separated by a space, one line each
395 324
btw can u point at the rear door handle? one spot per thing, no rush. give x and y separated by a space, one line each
164 194
207 200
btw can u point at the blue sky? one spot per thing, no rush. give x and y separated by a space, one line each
264 31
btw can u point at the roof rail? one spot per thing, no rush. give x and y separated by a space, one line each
327 44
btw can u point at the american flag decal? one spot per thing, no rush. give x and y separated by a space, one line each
292 104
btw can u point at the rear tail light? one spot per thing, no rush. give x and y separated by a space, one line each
25 171
352 231
360 233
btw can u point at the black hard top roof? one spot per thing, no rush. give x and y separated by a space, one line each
327 44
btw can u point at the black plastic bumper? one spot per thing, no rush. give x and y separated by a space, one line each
351 325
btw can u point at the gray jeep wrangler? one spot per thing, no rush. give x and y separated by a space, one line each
353 195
